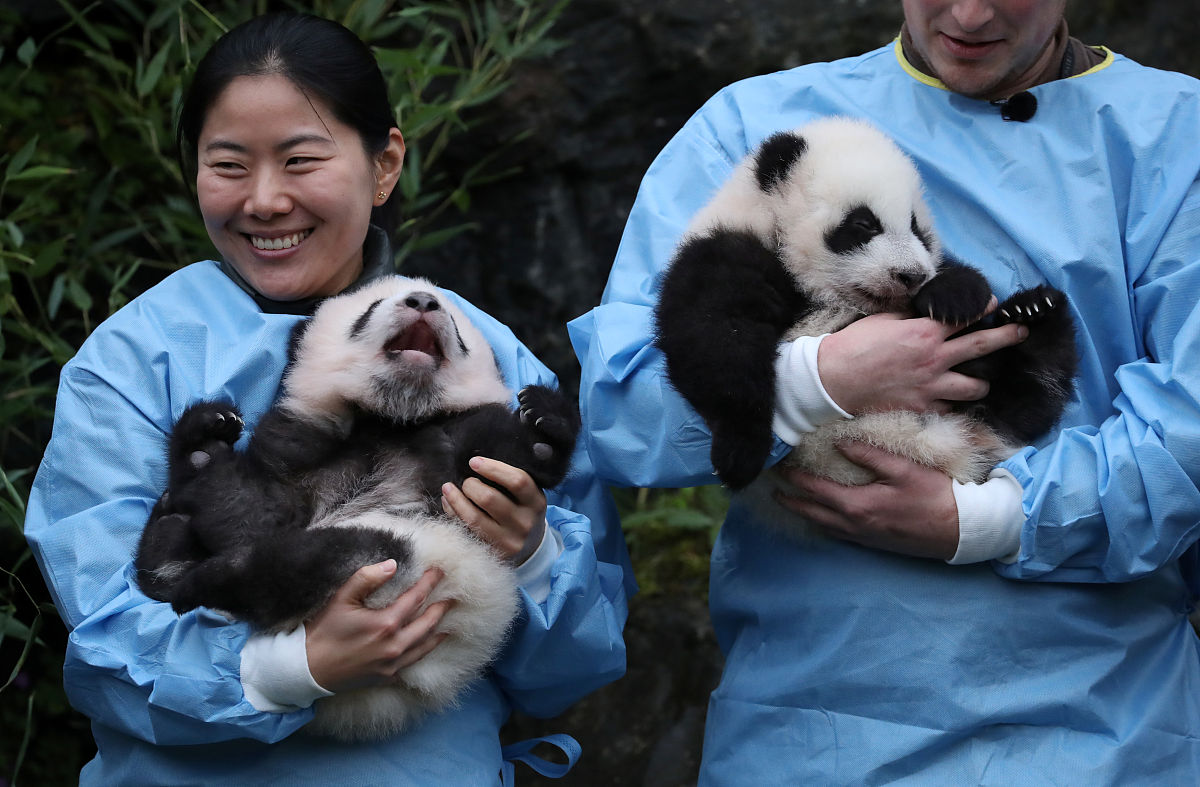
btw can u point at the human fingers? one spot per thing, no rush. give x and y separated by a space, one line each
977 344
421 650
956 387
456 504
518 483
512 522
407 603
420 636
364 582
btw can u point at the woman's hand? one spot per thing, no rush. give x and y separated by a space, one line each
908 509
351 646
515 527
888 362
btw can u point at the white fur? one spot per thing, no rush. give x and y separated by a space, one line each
485 594
850 163
334 371
338 367
847 163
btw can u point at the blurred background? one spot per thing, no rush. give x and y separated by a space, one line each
529 125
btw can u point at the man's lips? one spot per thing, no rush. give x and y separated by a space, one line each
968 50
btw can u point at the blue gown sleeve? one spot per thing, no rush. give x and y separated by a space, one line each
638 429
1114 502
571 643
131 664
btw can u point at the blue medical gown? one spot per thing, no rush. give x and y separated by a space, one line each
146 676
852 666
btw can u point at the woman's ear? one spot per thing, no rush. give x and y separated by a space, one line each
389 163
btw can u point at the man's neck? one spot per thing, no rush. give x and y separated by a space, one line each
1063 57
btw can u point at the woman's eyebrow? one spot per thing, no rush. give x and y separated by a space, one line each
287 144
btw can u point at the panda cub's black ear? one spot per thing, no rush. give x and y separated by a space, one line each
775 158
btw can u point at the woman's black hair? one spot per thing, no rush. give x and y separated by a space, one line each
323 59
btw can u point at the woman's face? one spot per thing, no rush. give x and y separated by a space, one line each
286 189
977 47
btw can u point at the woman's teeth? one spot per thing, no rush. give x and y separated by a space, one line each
275 244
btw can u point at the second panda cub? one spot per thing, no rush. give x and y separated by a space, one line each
816 228
389 391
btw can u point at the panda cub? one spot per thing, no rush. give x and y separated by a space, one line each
388 393
816 228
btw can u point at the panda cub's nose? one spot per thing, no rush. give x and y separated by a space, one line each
910 281
422 302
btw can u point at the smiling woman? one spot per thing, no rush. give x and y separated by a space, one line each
288 127
286 188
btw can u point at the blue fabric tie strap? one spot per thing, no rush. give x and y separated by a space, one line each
522 751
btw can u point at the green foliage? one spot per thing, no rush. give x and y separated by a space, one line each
670 533
94 209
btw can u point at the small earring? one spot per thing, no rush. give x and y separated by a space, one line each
382 195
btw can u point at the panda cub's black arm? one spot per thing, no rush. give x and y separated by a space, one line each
725 303
286 445
538 437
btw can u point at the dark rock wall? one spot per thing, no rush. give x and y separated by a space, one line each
596 114
631 73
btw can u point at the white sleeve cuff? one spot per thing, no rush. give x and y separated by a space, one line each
534 573
990 518
801 402
275 676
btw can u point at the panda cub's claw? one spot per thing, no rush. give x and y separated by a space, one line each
1030 306
205 422
550 414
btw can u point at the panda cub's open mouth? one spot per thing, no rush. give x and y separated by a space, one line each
419 337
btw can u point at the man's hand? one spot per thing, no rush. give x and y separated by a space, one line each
908 509
888 362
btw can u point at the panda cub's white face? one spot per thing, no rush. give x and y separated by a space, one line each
398 348
850 221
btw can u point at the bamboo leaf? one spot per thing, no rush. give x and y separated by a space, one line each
41 171
149 80
26 52
21 158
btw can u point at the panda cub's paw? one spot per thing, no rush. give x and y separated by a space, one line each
957 295
739 451
553 423
1034 305
204 429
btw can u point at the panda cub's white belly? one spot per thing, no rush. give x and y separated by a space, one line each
484 590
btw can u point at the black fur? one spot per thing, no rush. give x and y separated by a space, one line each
235 525
724 304
775 158
855 231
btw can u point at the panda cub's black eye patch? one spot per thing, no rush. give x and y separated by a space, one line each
856 230
922 234
360 324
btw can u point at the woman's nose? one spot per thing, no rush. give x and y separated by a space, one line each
268 196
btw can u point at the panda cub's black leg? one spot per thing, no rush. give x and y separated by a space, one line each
284 577
168 549
205 432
